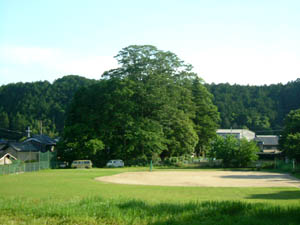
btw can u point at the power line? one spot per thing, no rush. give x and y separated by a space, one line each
11 131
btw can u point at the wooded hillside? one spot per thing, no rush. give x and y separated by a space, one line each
259 108
37 104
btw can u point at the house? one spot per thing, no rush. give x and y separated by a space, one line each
6 158
30 149
238 133
42 142
21 151
268 144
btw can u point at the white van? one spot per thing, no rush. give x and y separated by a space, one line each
115 163
81 164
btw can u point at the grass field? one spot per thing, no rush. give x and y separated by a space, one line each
74 197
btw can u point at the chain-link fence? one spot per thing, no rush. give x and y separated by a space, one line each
287 166
46 160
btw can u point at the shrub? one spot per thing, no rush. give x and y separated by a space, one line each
234 152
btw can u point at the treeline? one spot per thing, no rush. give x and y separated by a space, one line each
258 108
38 105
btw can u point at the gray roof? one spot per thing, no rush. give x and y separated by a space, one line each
43 139
267 139
2 145
23 147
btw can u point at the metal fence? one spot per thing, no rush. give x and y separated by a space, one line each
46 160
287 166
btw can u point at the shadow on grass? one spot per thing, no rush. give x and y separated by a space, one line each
282 195
214 213
200 168
245 176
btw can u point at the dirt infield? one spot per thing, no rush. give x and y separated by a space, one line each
205 179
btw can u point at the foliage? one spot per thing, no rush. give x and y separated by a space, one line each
290 138
259 108
37 104
207 117
151 105
234 152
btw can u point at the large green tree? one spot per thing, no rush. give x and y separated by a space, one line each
143 108
290 138
207 117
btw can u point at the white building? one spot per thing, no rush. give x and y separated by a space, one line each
238 133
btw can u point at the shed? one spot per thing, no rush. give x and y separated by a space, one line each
6 158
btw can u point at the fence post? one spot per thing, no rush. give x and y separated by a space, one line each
48 159
293 165
151 166
39 160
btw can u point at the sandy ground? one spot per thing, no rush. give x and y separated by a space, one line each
205 179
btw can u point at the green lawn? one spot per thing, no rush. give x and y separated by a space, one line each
74 197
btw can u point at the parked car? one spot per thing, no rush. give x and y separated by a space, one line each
115 163
63 165
82 164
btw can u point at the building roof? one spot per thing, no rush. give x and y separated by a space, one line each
23 147
267 139
3 141
2 146
3 154
233 131
43 139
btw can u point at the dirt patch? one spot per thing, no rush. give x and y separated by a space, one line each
205 179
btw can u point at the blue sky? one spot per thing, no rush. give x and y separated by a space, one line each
243 42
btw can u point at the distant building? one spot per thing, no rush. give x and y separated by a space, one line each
6 158
238 133
42 142
21 151
268 143
29 150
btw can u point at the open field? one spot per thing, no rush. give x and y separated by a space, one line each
205 179
75 197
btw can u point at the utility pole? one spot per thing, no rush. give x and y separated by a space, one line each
28 131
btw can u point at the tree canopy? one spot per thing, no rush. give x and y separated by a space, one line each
261 109
290 138
258 108
153 104
234 152
35 104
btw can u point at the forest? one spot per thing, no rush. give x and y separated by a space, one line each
261 109
258 108
152 106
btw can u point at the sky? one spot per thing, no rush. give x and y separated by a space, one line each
253 42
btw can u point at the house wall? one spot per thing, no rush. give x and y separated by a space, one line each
23 156
238 133
28 156
5 161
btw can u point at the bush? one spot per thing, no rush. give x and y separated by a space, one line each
234 152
